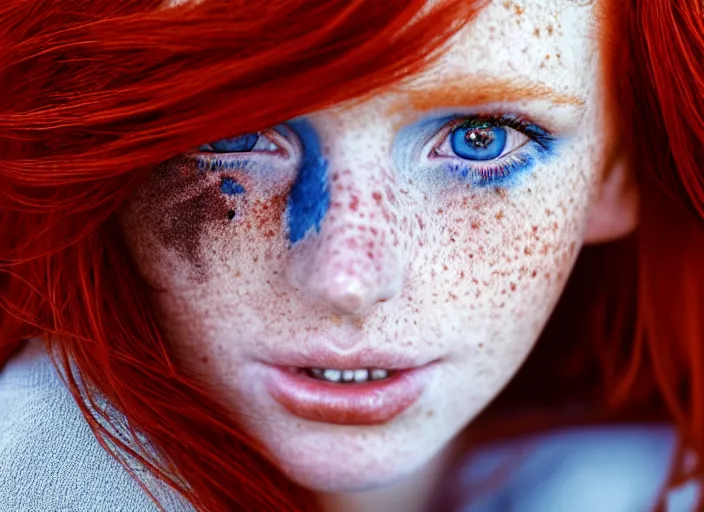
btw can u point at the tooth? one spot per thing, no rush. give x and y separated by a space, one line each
348 375
332 375
361 375
379 374
317 372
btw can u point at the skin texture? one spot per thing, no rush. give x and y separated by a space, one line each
409 259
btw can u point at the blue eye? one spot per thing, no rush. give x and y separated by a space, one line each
481 143
491 150
239 144
229 153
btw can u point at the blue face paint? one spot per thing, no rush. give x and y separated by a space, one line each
309 198
230 187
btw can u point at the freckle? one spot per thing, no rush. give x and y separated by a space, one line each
475 225
501 192
513 287
238 274
453 297
547 56
354 203
499 215
527 250
461 274
534 273
548 212
518 10
444 267
430 413
551 29
440 211
377 197
536 32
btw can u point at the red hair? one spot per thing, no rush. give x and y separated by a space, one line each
99 92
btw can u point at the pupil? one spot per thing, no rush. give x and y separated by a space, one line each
480 138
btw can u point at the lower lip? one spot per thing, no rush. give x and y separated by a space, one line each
368 403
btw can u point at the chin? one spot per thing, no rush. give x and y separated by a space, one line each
339 459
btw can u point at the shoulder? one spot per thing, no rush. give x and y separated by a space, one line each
49 458
610 469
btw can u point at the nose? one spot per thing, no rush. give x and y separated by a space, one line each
355 261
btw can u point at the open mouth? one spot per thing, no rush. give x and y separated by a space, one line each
357 376
361 396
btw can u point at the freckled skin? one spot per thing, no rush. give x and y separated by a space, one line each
404 261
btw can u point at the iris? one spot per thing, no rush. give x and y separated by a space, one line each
239 144
478 142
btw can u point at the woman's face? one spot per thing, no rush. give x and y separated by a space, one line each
425 233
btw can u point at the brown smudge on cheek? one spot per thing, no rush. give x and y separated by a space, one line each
187 212
182 201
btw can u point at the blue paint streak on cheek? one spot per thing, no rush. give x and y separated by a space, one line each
230 187
309 198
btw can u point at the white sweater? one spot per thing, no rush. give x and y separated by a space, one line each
51 462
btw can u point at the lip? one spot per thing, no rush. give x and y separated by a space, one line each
326 358
368 403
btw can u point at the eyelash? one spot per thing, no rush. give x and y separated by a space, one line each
488 173
501 170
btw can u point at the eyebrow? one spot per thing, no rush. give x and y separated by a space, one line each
472 91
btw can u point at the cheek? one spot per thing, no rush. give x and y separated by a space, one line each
498 258
187 227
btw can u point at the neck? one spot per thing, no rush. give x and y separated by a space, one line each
412 494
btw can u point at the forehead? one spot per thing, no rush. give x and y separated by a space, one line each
527 52
534 40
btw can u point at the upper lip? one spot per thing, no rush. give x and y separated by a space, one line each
364 358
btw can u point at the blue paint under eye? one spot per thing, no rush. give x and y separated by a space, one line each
230 187
478 143
501 175
309 198
239 144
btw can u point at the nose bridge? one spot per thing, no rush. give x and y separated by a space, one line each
355 261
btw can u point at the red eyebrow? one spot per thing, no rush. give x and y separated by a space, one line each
470 91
